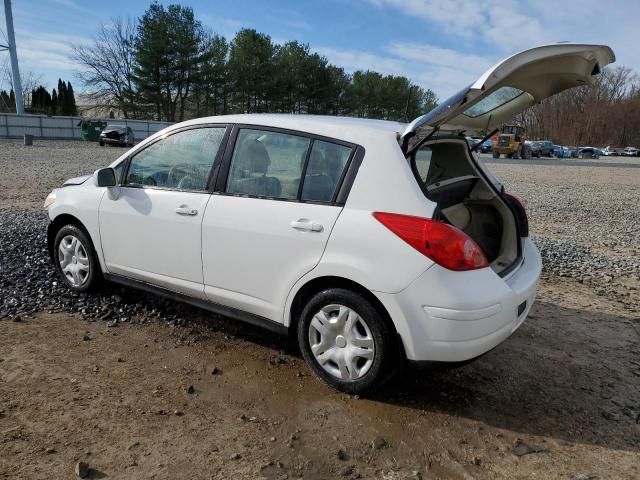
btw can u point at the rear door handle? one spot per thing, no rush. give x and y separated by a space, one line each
185 210
305 225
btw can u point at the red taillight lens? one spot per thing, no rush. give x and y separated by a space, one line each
444 244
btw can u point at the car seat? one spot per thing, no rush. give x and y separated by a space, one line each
318 184
255 157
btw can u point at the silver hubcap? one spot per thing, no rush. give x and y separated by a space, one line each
74 260
341 342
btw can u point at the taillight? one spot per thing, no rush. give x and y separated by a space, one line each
521 213
444 244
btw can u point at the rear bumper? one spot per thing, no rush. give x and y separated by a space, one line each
448 316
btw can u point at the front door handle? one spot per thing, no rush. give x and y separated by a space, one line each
305 225
185 210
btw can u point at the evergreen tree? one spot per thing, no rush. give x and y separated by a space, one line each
70 101
62 97
168 49
40 100
53 108
251 70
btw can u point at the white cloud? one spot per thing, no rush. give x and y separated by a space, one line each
438 56
506 26
444 71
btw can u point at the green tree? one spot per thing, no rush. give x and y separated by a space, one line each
251 71
62 97
211 85
70 101
168 52
40 100
53 108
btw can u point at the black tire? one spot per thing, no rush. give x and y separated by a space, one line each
516 155
496 154
101 143
526 153
94 274
386 355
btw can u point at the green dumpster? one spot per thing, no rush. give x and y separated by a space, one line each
90 129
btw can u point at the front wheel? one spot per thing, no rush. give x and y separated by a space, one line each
346 341
496 154
75 259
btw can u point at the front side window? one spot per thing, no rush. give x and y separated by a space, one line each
180 161
267 164
119 168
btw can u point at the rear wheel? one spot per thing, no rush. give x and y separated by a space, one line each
526 152
346 341
496 154
516 155
101 143
75 259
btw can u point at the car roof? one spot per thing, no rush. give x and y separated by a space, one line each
343 128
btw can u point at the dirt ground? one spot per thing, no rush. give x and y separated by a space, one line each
567 382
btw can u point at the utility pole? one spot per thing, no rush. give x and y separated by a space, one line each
15 72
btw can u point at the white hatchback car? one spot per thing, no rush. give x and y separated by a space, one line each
373 242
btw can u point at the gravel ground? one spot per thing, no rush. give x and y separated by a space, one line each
564 390
586 222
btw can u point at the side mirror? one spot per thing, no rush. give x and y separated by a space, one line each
106 177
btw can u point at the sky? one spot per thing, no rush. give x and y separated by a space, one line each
442 45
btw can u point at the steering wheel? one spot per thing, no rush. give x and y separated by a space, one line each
179 171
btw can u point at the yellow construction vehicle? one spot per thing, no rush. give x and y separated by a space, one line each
510 142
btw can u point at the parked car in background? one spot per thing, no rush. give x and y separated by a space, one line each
542 148
588 152
631 152
118 135
372 242
486 146
472 141
561 152
619 151
573 150
606 151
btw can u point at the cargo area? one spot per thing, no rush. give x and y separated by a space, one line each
450 177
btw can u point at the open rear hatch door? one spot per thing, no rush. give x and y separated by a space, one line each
512 86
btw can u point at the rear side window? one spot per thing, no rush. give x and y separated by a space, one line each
422 163
324 171
286 166
267 164
181 161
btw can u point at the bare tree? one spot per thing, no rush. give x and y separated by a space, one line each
604 113
30 81
107 66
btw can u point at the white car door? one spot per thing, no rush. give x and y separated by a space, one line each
150 224
265 228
